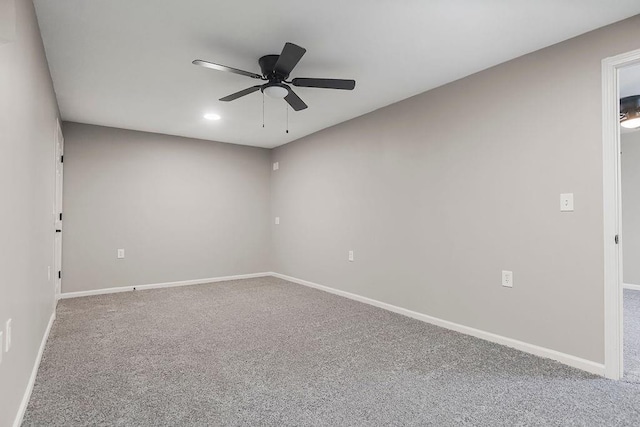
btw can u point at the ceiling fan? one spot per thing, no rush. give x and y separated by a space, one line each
275 71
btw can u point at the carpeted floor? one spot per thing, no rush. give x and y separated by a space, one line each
269 352
631 336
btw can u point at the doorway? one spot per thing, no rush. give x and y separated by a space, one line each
613 69
57 208
629 92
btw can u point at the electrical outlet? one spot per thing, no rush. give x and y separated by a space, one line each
7 344
507 278
566 202
120 253
277 220
276 166
350 256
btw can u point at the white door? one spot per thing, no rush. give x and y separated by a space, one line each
57 244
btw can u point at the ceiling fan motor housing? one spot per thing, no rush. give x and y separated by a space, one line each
629 104
630 112
267 65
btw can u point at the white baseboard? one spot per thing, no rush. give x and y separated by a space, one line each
65 295
567 359
34 372
631 286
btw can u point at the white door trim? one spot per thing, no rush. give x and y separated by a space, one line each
612 210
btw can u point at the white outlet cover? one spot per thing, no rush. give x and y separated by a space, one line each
507 279
351 256
120 253
7 345
277 220
566 202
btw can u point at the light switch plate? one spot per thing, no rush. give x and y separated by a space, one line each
276 166
120 253
566 202
277 220
350 256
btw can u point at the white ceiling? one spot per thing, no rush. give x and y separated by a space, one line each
630 81
127 64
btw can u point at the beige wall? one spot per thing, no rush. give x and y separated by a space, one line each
630 143
181 208
28 113
439 193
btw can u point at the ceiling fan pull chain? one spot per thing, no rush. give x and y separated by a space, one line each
263 109
286 106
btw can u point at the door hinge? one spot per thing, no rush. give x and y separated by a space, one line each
59 274
62 159
60 216
617 239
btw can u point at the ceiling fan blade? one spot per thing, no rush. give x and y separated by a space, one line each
325 83
219 67
244 92
294 100
288 59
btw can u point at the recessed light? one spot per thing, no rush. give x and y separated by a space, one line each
212 116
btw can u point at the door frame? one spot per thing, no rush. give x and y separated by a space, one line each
612 210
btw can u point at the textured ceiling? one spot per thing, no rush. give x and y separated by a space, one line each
128 64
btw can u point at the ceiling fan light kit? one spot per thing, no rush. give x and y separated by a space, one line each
630 112
275 71
275 90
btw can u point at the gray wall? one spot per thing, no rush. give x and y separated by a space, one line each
630 143
439 193
7 21
181 208
28 113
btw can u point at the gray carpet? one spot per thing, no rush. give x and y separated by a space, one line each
631 336
269 352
